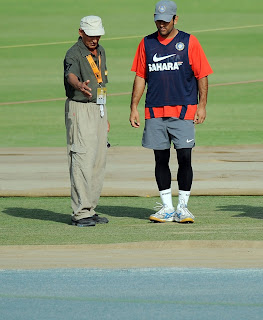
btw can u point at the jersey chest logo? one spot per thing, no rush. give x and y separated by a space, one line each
180 46
157 59
164 66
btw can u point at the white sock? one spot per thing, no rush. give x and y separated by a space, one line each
183 197
166 197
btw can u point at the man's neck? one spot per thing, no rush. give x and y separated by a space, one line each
94 52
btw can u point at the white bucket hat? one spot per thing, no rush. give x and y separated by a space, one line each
92 26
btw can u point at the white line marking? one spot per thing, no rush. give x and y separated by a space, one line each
229 28
64 42
123 38
122 93
234 83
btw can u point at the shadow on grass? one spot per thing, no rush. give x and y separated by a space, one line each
47 215
243 211
38 214
122 211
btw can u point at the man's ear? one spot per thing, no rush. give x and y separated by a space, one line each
176 20
81 32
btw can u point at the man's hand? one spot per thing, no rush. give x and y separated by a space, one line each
200 115
81 86
135 119
85 89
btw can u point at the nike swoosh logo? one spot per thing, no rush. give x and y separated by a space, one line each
188 141
157 59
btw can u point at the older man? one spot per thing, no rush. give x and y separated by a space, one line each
85 78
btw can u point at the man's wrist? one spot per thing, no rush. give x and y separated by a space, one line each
202 105
133 107
78 86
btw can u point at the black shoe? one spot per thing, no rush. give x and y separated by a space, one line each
98 219
85 222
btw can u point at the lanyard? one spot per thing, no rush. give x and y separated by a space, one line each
95 69
97 74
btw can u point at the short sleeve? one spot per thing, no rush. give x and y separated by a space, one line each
197 59
71 65
139 62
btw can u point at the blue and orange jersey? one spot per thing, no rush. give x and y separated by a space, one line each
184 53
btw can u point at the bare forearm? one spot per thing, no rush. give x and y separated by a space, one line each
138 89
74 81
201 109
203 91
137 92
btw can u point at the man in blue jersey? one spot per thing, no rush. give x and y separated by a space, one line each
175 68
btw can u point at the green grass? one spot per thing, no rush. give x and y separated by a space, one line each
238 122
32 52
43 221
229 33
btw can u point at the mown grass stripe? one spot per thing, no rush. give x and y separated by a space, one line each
126 38
122 93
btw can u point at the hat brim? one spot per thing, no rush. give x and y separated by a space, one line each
163 17
94 33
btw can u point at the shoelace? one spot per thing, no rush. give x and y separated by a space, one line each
188 212
159 206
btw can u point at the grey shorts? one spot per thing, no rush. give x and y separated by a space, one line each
160 132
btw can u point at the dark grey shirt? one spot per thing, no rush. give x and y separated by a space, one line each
76 62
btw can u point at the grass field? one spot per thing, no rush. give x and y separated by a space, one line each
35 37
33 49
27 221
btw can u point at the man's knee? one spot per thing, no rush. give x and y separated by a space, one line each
184 156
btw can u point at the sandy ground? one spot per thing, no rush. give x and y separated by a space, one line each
189 254
130 172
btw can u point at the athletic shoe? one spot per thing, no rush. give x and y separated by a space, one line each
183 215
165 214
100 220
84 222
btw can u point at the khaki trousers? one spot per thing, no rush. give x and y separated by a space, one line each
87 148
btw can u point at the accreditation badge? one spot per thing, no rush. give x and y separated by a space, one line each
101 95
